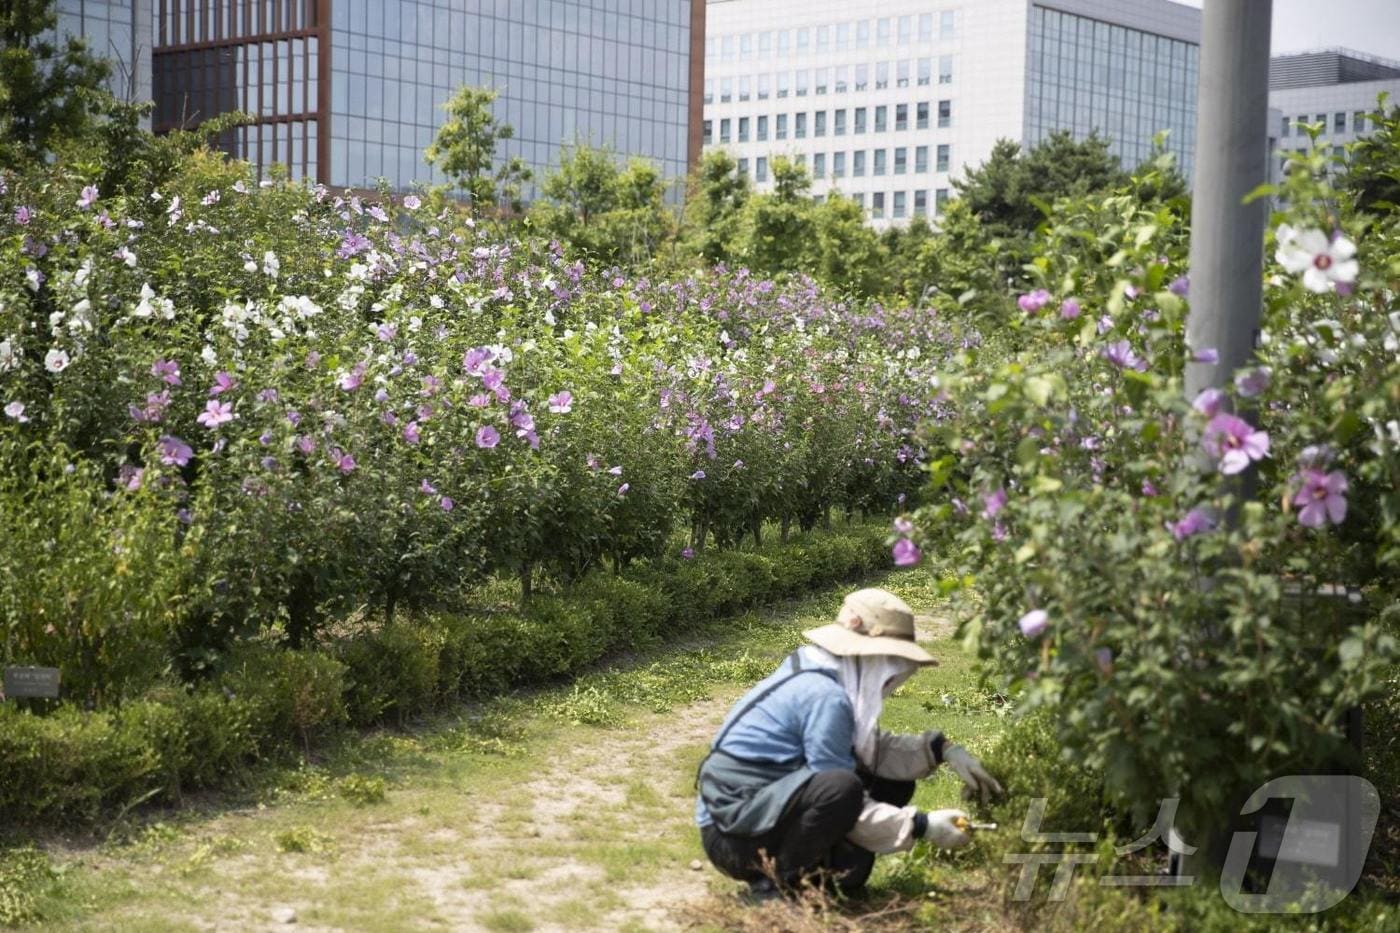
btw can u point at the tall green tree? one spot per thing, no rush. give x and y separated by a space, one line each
849 256
51 91
1009 190
781 227
612 214
1372 173
464 150
715 205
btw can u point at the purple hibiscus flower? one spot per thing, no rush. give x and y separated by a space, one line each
487 437
906 553
216 413
1194 522
1121 354
1034 623
1235 441
173 451
1321 497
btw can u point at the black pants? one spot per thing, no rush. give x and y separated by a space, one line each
811 833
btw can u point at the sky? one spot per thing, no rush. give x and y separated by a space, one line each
1371 26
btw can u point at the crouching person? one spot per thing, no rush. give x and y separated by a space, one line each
800 772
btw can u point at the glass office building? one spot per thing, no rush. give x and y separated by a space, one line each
1085 74
351 91
119 31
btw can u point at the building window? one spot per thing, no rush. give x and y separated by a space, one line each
784 83
925 27
921 115
1284 132
763 81
724 130
822 79
945 69
842 79
800 81
1322 118
882 31
901 73
745 46
943 158
780 127
760 169
839 123
782 43
823 38
860 199
819 165
901 117
804 37
925 71
743 166
862 77
920 159
877 204
901 160
838 165
726 90
743 129
1339 122
709 90
1358 122
799 126
761 133
862 33
843 36
819 123
945 114
860 120
858 164
905 30
947 24
882 75
744 88
765 44
940 200
879 162
709 131
1302 118
800 159
920 203
726 47
900 199
881 123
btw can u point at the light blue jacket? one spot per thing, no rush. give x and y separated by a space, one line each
806 724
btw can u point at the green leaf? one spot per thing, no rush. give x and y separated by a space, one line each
1028 452
1039 390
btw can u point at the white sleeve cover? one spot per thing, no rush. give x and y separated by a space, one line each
904 757
883 827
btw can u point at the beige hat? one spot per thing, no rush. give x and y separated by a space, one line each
872 622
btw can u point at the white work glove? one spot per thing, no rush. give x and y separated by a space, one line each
944 830
978 781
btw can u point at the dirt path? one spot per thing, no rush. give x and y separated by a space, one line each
513 818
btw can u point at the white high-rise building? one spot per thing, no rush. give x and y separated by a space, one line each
886 101
1336 88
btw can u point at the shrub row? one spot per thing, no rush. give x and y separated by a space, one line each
78 766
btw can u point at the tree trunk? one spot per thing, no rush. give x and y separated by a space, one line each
526 575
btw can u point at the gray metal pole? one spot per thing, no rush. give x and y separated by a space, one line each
1227 251
1227 237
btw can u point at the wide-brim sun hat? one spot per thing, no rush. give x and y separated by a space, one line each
871 622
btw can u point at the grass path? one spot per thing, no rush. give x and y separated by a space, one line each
565 810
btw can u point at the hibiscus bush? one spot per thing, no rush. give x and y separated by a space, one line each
1198 589
239 408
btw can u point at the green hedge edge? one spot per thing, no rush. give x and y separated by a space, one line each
74 766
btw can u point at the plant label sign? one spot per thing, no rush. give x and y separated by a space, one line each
31 682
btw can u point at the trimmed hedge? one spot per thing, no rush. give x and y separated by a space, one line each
76 766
